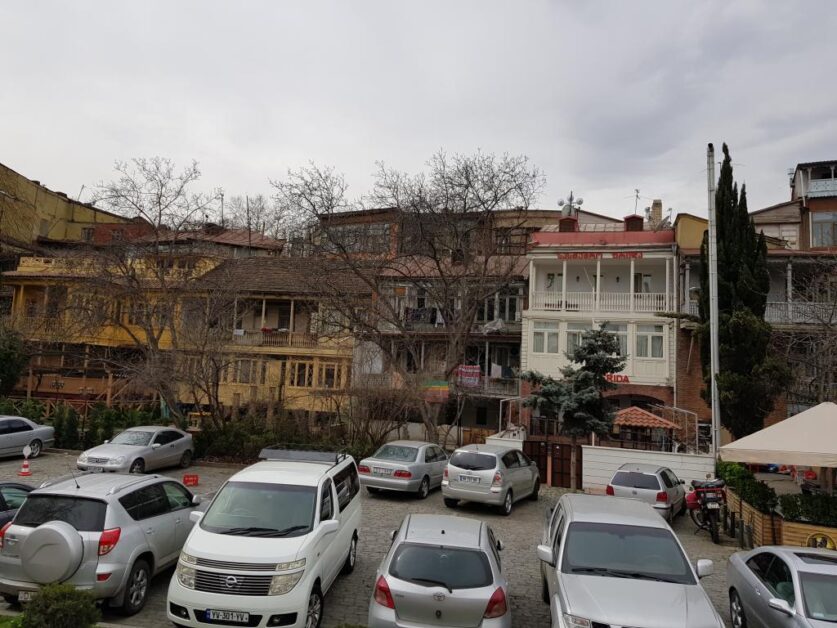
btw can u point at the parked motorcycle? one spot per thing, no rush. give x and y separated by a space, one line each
704 503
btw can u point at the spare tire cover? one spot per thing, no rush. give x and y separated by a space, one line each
52 552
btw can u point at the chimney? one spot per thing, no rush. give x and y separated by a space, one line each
656 215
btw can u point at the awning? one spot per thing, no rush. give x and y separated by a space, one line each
806 439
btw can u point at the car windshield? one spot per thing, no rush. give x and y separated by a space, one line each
85 515
399 453
633 479
473 461
132 437
449 567
624 551
260 509
818 594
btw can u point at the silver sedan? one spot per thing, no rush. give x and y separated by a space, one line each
404 465
783 587
441 571
17 432
140 449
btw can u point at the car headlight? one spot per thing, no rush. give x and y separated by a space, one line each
82 458
186 576
118 460
186 558
574 621
297 564
283 583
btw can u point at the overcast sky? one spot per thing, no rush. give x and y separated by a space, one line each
605 97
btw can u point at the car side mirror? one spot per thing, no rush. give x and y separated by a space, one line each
107 440
195 516
782 606
197 500
500 545
546 554
330 526
155 446
682 481
705 568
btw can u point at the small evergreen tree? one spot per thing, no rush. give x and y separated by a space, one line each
750 377
577 399
13 359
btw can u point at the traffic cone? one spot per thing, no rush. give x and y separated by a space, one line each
24 470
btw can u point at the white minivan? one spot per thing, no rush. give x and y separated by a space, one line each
271 543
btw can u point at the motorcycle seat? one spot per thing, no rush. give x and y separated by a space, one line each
708 484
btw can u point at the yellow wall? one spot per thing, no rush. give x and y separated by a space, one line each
689 230
35 211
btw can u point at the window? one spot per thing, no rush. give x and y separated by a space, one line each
511 461
492 541
441 456
117 235
458 568
780 581
85 515
545 337
16 425
178 496
522 460
145 503
621 333
167 436
326 506
818 595
574 333
473 461
87 234
666 480
13 496
760 563
397 453
363 238
347 484
824 228
649 341
327 376
633 479
286 509
508 306
301 373
642 283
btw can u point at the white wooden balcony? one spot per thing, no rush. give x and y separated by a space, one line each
822 187
790 312
274 339
607 302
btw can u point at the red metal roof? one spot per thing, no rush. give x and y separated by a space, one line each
602 238
637 417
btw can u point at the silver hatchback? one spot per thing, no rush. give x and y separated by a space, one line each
441 571
655 485
411 466
490 474
105 533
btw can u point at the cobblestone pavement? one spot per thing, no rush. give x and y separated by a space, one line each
348 600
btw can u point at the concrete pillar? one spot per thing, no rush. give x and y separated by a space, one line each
564 286
598 280
631 282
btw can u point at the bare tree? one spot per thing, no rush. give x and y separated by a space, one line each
447 261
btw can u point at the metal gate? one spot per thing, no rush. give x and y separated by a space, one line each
553 459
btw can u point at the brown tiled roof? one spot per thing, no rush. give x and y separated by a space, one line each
230 237
284 275
416 266
637 417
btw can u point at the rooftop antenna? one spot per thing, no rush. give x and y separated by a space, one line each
636 199
571 205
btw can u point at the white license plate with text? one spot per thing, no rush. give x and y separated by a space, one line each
713 505
25 596
235 616
472 479
381 471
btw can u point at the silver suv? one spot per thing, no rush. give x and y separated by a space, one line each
490 474
106 533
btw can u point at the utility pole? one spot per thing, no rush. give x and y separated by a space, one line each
714 366
249 231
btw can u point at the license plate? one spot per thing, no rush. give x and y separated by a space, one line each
25 596
713 505
241 618
96 469
381 471
469 478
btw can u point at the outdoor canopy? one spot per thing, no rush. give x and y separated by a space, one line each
805 439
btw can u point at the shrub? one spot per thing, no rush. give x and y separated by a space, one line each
739 478
814 509
60 606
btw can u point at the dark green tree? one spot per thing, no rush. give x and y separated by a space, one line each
750 376
577 399
13 359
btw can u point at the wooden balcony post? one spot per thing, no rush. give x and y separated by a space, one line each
264 311
291 323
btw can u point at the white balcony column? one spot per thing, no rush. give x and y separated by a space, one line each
291 323
598 280
564 286
687 288
264 311
668 280
631 283
533 285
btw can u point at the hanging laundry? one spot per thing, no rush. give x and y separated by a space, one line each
496 371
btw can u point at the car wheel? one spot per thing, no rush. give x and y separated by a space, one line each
351 559
372 490
186 459
508 502
136 590
36 447
451 503
736 610
424 488
137 466
535 490
314 615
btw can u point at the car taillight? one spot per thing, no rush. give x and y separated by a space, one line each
609 490
496 605
3 533
383 596
498 479
363 469
402 474
662 496
446 473
108 540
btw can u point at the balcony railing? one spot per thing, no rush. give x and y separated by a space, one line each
274 339
822 187
608 301
789 312
500 386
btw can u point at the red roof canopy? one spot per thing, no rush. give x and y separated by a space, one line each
637 417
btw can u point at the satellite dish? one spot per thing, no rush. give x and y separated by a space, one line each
579 201
560 202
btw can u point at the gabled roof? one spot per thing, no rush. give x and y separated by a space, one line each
242 238
637 417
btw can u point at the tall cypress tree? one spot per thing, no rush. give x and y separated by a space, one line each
750 377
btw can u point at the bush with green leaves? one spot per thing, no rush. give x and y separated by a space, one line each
60 606
740 479
814 509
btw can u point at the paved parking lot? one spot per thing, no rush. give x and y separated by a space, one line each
348 600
